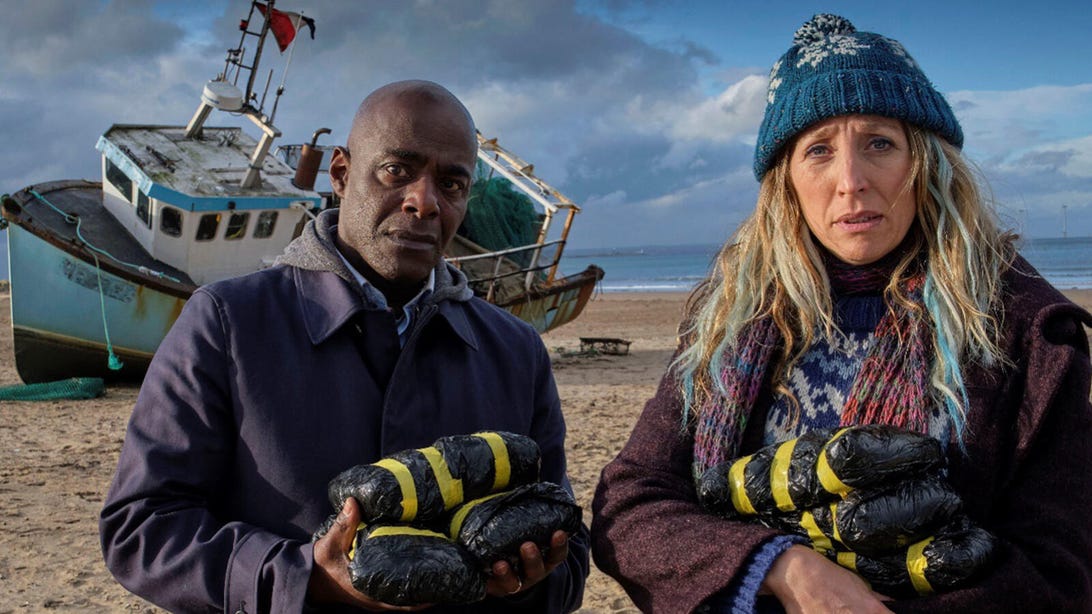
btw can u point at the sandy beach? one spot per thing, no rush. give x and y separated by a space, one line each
59 456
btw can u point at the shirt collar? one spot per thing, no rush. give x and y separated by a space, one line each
406 317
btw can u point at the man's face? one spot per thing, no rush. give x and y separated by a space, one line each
403 185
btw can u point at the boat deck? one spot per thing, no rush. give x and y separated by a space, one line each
82 200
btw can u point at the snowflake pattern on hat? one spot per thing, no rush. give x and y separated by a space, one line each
832 45
899 50
775 82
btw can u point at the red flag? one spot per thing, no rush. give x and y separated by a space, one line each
285 24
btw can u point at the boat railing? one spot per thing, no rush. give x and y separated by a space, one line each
504 266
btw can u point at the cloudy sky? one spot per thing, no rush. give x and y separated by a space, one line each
644 112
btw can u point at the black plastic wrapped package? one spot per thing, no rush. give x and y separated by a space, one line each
491 461
873 454
776 478
816 468
403 565
493 528
959 552
424 484
875 521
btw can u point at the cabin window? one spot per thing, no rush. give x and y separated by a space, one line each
143 204
206 228
170 221
236 226
119 180
267 221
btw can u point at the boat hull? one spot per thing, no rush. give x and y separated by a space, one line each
551 306
68 301
64 308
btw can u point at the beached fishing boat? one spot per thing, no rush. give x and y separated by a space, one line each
99 271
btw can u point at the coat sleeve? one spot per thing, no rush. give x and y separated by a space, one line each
1041 514
563 590
648 530
160 533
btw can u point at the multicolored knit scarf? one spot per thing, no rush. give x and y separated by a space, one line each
891 388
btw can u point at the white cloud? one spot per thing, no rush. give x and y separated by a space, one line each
1004 123
1069 158
613 199
736 112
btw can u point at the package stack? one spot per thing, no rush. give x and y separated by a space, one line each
435 519
872 498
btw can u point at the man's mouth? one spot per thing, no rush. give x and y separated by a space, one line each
412 240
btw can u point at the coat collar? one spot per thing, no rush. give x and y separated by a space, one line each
329 296
328 302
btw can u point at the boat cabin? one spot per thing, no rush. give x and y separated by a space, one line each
181 198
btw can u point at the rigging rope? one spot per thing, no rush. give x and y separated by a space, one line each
72 219
113 362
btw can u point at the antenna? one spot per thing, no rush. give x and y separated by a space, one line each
284 75
224 95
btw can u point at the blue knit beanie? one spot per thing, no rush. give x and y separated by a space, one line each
831 70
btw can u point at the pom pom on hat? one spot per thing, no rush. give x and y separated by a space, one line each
820 27
833 69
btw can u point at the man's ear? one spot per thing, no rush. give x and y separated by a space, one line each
339 171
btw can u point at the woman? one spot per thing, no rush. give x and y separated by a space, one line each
870 285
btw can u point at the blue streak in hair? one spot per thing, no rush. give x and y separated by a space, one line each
952 373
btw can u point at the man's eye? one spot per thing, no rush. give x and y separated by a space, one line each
452 185
395 169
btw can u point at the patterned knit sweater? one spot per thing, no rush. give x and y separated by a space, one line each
824 376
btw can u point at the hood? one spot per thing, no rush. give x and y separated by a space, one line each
315 250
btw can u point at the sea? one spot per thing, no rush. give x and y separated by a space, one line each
1064 262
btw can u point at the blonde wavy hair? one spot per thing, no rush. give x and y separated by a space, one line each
772 268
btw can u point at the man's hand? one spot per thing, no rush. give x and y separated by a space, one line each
506 581
804 581
330 582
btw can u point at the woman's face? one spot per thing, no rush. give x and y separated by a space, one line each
850 174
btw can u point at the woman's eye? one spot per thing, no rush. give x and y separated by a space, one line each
816 150
881 143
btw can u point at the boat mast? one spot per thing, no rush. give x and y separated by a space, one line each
224 95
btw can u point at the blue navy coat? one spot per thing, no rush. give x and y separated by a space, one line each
260 394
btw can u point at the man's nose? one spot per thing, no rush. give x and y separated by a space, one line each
422 198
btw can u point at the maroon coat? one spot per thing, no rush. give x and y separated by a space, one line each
1026 476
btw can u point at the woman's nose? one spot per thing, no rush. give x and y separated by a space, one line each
851 175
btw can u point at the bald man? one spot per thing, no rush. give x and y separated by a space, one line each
360 343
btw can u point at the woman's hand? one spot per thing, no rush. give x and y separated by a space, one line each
804 581
505 580
330 582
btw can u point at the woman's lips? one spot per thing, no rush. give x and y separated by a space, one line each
857 222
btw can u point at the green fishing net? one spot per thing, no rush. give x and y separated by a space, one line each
498 216
72 388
